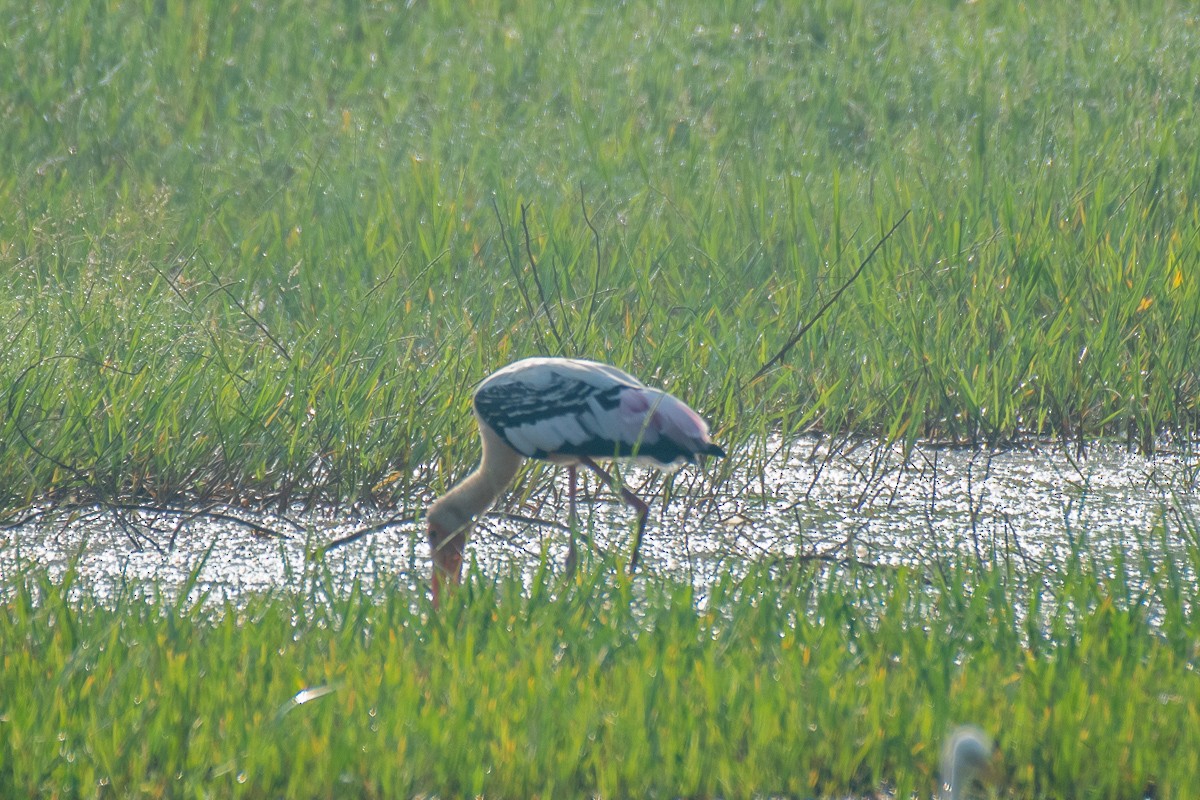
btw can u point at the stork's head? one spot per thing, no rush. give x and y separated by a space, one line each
447 539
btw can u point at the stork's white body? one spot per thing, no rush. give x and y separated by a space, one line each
559 409
567 411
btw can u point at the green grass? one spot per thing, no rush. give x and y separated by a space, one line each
266 250
798 684
263 251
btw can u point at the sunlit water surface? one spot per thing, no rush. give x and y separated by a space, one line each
1026 509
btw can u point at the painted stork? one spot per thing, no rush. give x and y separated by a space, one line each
566 411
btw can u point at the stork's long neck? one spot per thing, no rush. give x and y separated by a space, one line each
479 490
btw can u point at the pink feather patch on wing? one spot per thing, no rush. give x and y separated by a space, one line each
679 422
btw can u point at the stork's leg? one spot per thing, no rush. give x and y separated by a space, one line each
447 554
572 521
630 499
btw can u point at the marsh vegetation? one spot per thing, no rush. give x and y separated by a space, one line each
257 255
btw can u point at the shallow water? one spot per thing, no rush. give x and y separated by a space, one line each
1024 508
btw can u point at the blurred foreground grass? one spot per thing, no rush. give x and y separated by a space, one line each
796 684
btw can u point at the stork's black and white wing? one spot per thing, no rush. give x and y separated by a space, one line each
559 409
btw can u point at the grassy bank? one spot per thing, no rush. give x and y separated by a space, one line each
266 251
800 685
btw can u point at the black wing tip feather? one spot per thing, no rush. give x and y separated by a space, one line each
664 451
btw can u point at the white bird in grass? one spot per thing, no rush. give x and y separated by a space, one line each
966 758
565 411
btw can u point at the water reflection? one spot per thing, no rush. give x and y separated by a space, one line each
1025 508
